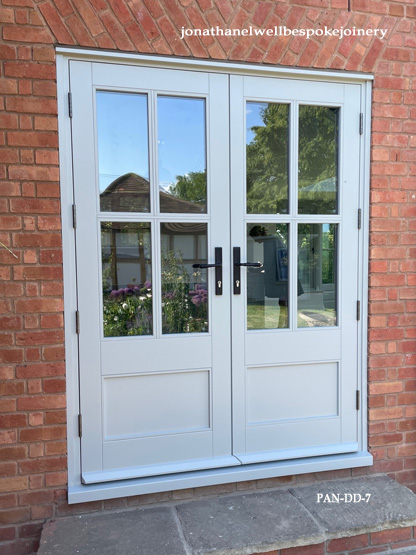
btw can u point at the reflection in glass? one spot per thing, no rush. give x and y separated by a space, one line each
268 287
184 288
123 152
267 157
182 154
127 274
317 272
318 160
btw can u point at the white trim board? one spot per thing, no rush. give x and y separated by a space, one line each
78 492
211 65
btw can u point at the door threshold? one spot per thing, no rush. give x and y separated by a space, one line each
285 454
79 493
157 470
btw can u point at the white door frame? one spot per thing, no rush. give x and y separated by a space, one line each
77 492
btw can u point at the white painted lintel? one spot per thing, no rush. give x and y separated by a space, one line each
192 64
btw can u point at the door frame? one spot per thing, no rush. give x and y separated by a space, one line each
78 492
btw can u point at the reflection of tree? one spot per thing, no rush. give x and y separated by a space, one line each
318 159
191 187
267 161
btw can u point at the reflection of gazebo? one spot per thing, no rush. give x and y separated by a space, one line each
325 186
131 193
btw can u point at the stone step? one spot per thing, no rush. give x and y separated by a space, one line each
323 515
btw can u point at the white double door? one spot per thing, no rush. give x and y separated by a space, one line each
184 367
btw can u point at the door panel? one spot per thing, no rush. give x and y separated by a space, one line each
150 161
294 323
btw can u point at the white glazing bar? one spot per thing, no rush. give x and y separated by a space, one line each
293 200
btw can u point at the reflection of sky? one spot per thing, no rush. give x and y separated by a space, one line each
181 137
253 118
122 135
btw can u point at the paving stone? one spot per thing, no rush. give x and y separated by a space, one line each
244 524
391 505
138 532
406 551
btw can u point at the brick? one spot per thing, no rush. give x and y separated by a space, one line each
390 536
36 497
344 544
39 402
42 434
12 516
14 484
42 106
43 465
50 354
39 305
11 355
39 337
22 33
13 453
385 413
318 549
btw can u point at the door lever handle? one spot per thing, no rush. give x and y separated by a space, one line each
237 269
203 266
250 264
218 269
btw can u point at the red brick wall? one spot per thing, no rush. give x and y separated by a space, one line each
32 367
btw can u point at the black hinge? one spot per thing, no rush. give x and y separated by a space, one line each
357 399
359 218
361 123
74 216
358 310
70 104
80 425
77 322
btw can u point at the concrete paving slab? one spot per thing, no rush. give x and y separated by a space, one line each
390 505
139 532
245 524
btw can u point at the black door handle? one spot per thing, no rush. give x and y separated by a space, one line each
237 271
250 264
218 269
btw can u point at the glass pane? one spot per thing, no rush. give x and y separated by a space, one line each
267 164
318 160
184 288
267 287
317 273
182 154
127 273
123 152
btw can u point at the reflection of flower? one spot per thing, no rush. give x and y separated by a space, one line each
131 290
199 295
184 304
128 311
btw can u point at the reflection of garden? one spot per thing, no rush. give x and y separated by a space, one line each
267 316
126 276
127 289
184 300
